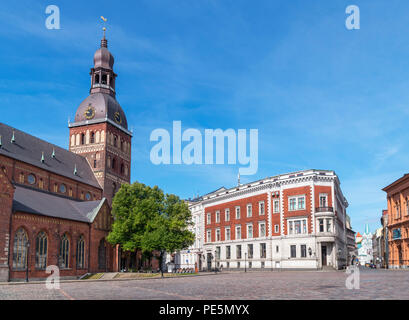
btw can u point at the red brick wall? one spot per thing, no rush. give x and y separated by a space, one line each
6 202
307 212
323 189
107 150
255 218
55 229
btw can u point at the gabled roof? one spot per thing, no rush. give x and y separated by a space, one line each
33 201
29 149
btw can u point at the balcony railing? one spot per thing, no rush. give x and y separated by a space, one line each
324 209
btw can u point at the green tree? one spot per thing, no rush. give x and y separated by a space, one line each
146 219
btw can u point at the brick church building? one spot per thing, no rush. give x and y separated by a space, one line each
55 204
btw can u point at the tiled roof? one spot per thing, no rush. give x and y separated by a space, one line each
43 203
30 149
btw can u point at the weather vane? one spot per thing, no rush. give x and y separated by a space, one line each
104 27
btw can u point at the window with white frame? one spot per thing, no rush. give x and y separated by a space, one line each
249 210
262 229
227 215
293 251
227 233
228 252
209 236
297 226
238 232
261 208
323 200
209 218
249 231
217 216
329 227
237 212
263 250
296 203
218 238
276 206
276 228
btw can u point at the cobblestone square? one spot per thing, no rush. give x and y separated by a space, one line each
287 285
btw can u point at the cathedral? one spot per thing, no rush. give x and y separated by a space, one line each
55 204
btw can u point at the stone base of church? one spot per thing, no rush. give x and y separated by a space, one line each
4 274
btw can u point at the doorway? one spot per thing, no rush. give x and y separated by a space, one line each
400 255
324 255
209 262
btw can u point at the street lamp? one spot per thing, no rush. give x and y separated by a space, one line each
245 262
28 255
310 251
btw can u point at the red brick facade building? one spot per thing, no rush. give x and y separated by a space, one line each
295 220
55 204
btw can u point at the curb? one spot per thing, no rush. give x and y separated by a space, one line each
104 280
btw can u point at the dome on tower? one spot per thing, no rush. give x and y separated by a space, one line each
101 106
103 59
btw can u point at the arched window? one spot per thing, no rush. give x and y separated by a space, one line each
97 78
92 139
102 255
82 138
81 253
41 183
20 249
115 141
113 163
21 177
64 252
41 250
104 79
122 168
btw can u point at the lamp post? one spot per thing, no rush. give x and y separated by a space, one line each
245 262
27 262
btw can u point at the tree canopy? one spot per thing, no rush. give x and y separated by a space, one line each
147 219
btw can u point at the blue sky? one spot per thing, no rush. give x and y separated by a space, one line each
321 96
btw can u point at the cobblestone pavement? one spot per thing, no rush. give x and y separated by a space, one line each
374 284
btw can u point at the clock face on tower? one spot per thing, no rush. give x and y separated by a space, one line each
117 118
90 112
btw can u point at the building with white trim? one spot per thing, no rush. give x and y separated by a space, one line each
290 221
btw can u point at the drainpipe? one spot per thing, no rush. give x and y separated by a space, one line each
89 249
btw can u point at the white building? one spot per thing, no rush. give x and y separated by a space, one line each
290 221
365 248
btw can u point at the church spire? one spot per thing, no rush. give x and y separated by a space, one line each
102 74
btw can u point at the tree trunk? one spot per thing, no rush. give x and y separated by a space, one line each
161 262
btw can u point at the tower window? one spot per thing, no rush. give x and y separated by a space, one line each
97 78
92 139
115 141
104 79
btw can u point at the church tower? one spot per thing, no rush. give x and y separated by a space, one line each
100 130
